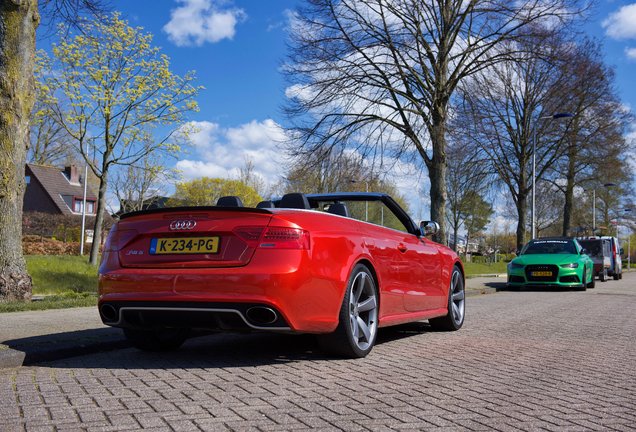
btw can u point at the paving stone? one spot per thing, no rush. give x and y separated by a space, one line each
535 360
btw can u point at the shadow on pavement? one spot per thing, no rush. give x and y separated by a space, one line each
219 350
70 344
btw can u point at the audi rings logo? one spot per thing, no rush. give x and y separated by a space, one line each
183 225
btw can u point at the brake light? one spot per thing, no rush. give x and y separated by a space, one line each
117 239
613 251
274 237
250 235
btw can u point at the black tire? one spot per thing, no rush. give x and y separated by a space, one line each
616 276
620 275
603 276
592 283
358 320
456 305
157 340
584 287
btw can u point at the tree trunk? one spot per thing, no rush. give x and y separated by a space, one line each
18 22
437 173
99 218
569 192
522 210
567 208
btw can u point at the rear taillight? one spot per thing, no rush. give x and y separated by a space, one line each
117 239
274 237
250 235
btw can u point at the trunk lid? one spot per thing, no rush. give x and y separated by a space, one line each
188 237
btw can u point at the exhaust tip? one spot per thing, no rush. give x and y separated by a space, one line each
262 315
109 313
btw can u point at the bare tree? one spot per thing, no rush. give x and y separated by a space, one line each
142 184
466 177
597 133
379 75
502 108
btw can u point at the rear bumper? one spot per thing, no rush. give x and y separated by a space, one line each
220 299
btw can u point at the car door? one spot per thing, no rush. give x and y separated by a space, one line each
420 273
382 246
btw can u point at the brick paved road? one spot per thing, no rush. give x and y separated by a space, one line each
530 360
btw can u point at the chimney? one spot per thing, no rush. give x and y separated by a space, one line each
72 173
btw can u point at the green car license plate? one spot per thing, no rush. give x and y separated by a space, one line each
542 273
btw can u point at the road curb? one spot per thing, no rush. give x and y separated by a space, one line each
10 358
479 291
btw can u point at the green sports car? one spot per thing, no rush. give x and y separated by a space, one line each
552 262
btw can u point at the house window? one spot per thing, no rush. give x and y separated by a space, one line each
78 205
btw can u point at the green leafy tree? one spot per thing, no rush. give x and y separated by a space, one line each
119 87
477 213
206 191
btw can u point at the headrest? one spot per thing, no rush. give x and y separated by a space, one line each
265 204
229 201
339 209
294 200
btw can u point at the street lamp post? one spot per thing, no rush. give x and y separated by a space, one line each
629 243
366 203
534 154
84 205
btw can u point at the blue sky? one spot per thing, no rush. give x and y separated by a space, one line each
236 47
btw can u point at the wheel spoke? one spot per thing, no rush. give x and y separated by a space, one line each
359 287
355 327
456 314
458 296
454 280
362 326
367 305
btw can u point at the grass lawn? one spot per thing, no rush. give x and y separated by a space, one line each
474 269
58 301
70 281
54 274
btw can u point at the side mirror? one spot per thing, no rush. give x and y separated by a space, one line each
517 252
622 251
583 251
428 228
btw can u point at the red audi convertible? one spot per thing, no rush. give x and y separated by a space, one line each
339 265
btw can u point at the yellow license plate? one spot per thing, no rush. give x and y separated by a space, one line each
187 245
542 273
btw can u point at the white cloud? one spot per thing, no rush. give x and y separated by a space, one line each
622 23
200 21
221 151
631 53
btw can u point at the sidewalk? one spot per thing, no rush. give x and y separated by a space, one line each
33 337
28 338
